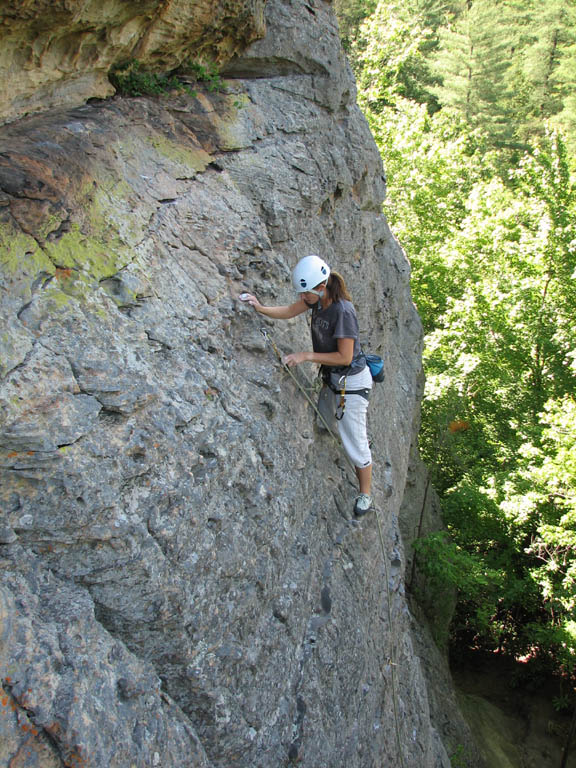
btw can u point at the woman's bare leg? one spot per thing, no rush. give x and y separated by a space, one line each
364 475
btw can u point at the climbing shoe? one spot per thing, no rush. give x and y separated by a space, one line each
362 505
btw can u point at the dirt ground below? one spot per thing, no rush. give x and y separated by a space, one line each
511 713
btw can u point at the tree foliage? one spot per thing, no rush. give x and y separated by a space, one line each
351 14
471 103
473 62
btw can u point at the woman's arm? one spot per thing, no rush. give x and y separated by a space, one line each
277 313
342 357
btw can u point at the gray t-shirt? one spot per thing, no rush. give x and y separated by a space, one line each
337 321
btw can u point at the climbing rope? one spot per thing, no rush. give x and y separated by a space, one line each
270 340
392 658
392 661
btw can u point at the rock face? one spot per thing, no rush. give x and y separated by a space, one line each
181 582
55 52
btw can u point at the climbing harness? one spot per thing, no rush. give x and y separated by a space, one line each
270 340
391 659
341 390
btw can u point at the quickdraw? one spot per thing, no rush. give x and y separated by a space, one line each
341 390
342 404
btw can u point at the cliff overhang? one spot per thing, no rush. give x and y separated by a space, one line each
61 53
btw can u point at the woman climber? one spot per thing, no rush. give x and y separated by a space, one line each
347 379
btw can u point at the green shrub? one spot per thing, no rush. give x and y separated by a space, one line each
205 73
131 80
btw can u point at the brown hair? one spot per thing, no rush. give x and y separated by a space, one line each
336 287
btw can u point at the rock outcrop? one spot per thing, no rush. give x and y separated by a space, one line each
181 582
59 52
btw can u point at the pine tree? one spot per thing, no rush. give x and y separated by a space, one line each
434 14
473 62
564 75
548 63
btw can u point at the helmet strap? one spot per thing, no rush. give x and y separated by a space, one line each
320 293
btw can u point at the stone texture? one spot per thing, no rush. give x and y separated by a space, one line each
179 562
59 53
65 680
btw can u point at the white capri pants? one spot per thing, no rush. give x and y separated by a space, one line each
352 426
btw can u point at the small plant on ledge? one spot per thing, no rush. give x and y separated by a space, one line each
131 80
202 72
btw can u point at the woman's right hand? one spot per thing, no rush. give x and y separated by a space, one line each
248 298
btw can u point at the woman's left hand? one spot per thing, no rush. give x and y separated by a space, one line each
294 359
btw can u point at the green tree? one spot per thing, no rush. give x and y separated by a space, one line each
566 118
472 63
388 58
501 354
543 494
541 72
351 14
432 166
563 76
491 238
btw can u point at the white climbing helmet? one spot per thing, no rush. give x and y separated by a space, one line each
309 272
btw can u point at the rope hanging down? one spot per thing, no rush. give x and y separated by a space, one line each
272 343
391 659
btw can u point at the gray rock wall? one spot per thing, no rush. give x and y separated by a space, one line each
181 581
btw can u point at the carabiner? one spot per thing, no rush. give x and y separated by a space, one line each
339 415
